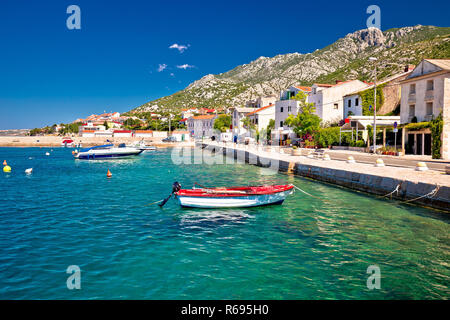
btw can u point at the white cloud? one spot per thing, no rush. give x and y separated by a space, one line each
185 66
179 47
161 67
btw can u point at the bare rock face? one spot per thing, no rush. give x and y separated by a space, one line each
347 58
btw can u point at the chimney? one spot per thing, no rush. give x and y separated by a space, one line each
409 67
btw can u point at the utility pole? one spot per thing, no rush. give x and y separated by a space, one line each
374 106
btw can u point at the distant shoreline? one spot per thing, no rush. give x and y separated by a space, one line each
55 141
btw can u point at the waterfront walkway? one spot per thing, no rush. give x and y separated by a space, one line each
363 176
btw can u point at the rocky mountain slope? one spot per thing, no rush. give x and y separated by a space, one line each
345 59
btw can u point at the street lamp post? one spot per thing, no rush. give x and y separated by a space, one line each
374 106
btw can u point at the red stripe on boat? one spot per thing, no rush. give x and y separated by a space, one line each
233 191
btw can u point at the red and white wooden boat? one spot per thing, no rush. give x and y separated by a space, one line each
233 197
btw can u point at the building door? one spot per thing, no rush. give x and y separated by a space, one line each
419 144
410 145
427 142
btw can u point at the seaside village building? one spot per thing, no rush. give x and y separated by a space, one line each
284 107
425 94
237 115
328 98
201 126
261 101
391 91
262 116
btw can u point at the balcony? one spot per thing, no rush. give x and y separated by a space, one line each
428 117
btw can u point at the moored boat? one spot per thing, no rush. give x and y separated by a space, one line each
233 197
107 151
67 143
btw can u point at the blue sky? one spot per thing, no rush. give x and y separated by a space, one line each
49 74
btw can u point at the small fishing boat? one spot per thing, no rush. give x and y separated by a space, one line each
233 197
67 143
107 151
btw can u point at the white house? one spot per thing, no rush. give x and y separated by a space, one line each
238 114
425 94
328 98
143 133
262 116
285 107
181 135
201 126
261 101
103 133
123 133
391 91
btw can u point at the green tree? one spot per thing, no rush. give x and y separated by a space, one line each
222 123
269 129
305 122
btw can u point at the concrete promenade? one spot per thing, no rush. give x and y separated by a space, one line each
365 177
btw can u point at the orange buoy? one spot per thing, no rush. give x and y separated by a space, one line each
4 163
109 174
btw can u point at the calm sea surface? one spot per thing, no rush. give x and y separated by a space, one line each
68 213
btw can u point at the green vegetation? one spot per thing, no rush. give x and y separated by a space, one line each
417 126
437 126
367 100
269 129
305 122
222 123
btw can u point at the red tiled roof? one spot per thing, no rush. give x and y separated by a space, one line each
204 117
142 131
122 131
308 89
260 109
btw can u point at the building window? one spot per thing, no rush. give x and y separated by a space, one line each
349 103
429 108
412 88
314 90
412 110
336 106
430 85
289 108
281 109
281 124
356 102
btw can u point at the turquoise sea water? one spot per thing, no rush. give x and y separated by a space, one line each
68 213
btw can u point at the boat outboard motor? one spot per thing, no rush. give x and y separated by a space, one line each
176 187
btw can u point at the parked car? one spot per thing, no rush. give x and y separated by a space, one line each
296 142
169 139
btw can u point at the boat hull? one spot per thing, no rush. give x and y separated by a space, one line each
233 202
108 154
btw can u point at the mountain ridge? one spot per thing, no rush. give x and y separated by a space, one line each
346 58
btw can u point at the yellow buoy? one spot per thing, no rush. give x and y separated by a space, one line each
350 159
6 169
109 174
4 163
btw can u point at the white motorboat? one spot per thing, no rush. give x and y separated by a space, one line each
107 151
142 146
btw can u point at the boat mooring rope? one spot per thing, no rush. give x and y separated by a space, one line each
153 203
306 192
390 193
428 195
